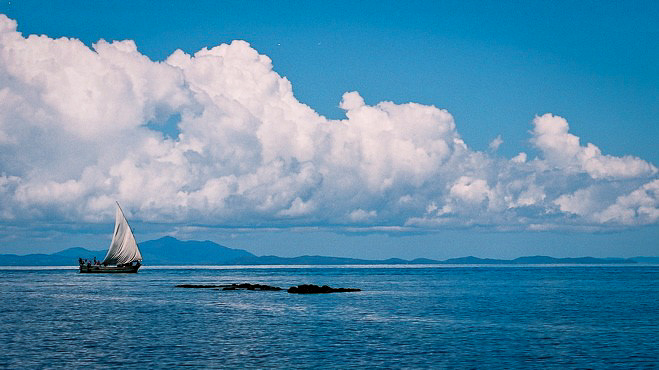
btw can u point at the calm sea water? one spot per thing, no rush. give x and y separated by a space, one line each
428 317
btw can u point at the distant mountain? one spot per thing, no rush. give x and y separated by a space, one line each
67 257
317 260
473 261
171 251
163 251
537 260
79 252
578 260
651 260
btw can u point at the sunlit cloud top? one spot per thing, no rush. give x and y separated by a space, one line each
82 127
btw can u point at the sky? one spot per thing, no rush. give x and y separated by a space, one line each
430 129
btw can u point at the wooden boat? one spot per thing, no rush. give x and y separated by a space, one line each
100 269
123 256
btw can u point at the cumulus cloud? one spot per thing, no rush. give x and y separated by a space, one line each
471 190
563 150
496 143
79 128
519 158
641 205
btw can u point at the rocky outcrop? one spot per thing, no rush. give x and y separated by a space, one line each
243 286
246 286
300 289
315 289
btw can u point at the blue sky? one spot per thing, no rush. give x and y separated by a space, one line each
493 67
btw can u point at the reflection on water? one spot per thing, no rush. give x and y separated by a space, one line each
421 317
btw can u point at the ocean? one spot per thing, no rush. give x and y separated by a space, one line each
561 316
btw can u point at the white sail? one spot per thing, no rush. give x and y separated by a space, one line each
123 248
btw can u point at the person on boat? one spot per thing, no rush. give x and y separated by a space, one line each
80 261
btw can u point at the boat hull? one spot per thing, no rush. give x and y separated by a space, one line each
96 269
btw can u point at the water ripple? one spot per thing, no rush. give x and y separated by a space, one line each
474 317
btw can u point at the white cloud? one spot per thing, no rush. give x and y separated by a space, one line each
639 206
582 202
362 215
471 190
496 143
76 134
351 100
562 149
519 158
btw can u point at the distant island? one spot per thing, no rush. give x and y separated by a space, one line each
171 251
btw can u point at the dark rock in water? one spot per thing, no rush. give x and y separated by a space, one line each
315 289
300 289
243 286
246 286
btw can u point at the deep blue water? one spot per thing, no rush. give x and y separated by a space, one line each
431 317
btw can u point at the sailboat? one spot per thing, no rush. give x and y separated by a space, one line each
123 256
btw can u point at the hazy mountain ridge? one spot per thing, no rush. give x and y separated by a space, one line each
171 251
